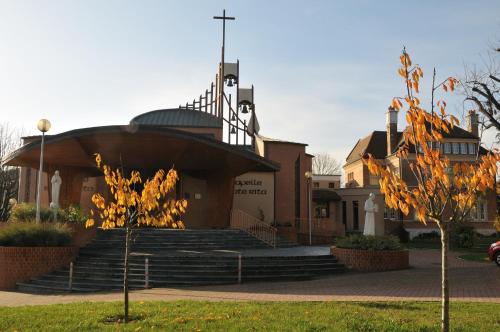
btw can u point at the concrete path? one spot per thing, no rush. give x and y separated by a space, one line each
469 281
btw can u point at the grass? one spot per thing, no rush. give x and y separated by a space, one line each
476 257
251 316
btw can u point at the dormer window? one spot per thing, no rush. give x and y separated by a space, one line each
447 148
463 148
472 148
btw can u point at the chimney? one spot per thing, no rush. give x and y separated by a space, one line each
392 129
472 120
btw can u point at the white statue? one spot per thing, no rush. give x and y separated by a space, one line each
370 208
56 182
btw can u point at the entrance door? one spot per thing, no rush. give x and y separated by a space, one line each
194 190
355 215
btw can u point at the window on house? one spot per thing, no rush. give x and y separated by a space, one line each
321 210
331 185
316 184
463 148
344 212
479 211
373 180
472 148
447 148
350 176
456 148
390 213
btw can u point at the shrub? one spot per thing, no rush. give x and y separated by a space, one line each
26 212
463 236
434 235
74 214
373 242
35 235
401 233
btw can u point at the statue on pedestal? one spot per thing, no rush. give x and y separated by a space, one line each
371 208
56 182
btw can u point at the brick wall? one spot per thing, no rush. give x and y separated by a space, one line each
372 260
23 263
80 235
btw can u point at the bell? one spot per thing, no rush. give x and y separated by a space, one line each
233 130
230 82
245 109
233 118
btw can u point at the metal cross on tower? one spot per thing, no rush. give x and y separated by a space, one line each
221 74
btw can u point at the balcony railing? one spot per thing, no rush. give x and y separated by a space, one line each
253 226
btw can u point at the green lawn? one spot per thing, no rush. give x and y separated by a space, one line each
252 316
476 257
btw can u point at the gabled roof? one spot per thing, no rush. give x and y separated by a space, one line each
375 143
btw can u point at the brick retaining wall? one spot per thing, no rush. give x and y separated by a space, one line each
372 260
80 235
23 263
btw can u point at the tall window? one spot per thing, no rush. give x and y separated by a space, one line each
344 212
479 211
456 148
472 148
355 215
350 176
463 148
298 177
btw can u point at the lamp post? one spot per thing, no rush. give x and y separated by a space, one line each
44 126
308 176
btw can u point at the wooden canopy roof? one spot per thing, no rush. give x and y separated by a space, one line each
139 147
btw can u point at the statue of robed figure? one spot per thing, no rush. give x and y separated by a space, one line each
370 208
56 182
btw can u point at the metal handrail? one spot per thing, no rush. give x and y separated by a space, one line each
253 226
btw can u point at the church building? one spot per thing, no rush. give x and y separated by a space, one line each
227 169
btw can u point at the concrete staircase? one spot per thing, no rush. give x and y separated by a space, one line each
179 258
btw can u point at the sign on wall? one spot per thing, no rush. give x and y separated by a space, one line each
254 194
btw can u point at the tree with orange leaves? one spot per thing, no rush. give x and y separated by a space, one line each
129 208
445 192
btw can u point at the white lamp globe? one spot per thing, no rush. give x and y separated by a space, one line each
43 125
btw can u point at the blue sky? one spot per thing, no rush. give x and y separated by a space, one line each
324 71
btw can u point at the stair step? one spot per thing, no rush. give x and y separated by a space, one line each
178 258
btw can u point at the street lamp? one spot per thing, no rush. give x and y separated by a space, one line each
308 176
44 126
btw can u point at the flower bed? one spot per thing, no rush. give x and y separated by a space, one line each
371 253
23 263
372 260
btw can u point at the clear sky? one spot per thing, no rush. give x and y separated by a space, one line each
324 71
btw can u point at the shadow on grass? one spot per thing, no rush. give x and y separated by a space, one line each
398 306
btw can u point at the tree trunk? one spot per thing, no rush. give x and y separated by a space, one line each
125 273
445 291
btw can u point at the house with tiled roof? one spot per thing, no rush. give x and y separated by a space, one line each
459 145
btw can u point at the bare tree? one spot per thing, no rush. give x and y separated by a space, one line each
10 139
325 164
481 87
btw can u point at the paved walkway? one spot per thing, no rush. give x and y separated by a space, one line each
469 281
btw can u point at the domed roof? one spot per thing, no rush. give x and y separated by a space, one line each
176 117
